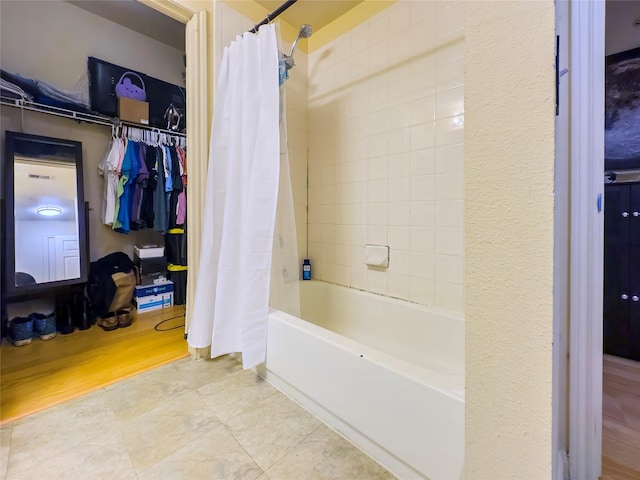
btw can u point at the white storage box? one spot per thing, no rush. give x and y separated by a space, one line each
149 251
153 297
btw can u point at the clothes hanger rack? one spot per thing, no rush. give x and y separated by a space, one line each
114 123
151 136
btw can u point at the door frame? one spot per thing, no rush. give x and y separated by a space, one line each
561 249
586 37
199 84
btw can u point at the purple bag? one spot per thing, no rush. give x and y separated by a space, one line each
124 88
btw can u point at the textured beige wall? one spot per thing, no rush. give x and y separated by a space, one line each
509 173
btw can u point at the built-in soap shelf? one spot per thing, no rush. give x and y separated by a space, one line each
376 255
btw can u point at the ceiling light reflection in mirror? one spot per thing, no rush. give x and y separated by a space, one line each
49 211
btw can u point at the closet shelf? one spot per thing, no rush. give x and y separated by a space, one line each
80 116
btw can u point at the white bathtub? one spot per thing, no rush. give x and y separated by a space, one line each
387 374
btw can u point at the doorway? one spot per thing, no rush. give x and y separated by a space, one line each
598 427
200 71
196 16
621 307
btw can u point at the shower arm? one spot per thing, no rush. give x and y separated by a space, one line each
293 47
288 59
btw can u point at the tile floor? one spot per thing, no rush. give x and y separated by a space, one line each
185 420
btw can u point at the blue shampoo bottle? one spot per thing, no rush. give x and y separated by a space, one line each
306 269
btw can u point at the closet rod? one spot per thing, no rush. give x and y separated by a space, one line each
149 128
271 16
80 116
59 112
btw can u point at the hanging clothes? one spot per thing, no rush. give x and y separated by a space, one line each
120 188
183 153
148 187
159 195
168 178
231 302
108 168
144 184
177 188
181 214
168 183
143 175
121 222
133 185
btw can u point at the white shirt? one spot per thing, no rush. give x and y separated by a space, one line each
109 169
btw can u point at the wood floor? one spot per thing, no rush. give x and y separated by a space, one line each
45 373
621 419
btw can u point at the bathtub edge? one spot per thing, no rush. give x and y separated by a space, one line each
380 455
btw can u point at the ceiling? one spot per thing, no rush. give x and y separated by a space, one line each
138 17
58 190
147 21
317 13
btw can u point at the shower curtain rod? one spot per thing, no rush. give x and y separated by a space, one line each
271 16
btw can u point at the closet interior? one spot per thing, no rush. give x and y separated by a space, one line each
94 164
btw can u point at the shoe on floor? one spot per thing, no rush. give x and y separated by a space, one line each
21 331
64 317
44 325
124 318
109 322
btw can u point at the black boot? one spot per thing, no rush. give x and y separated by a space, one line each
81 315
4 321
64 315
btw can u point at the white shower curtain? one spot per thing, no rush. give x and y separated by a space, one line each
231 300
285 267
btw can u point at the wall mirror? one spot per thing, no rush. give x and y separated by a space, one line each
45 224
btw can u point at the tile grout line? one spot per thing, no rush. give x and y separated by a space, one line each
124 442
251 405
243 449
6 473
276 391
137 471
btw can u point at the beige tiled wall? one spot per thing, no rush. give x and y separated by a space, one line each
297 131
386 154
229 24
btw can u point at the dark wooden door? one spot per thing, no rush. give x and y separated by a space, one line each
634 272
616 269
621 270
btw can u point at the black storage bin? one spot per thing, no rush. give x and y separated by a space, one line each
178 275
151 265
175 244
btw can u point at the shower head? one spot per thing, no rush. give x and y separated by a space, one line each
305 32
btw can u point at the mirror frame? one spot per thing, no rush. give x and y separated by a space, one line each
10 289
